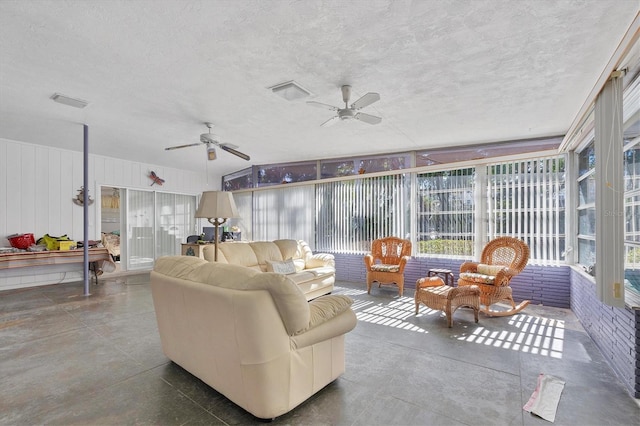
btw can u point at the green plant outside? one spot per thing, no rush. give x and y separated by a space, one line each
448 247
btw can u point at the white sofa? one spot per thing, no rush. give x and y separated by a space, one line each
252 336
315 274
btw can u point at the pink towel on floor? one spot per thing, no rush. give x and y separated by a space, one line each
545 398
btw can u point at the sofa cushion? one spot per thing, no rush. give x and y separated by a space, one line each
288 249
291 250
289 299
266 250
489 269
239 254
281 267
310 275
381 267
178 266
478 278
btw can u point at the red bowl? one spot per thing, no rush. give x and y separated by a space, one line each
22 241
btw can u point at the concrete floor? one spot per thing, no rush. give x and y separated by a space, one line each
70 359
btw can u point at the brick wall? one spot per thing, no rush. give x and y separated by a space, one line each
615 331
548 285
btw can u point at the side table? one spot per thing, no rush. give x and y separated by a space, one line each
446 275
196 250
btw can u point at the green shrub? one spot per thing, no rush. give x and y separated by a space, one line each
448 247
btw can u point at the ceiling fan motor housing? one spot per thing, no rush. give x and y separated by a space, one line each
346 114
208 138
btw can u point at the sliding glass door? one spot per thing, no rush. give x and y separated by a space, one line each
156 225
140 216
174 222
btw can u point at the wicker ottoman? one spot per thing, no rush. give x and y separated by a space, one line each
436 295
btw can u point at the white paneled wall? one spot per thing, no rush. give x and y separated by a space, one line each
38 183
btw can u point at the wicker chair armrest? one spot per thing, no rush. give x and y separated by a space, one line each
469 267
403 262
504 276
368 261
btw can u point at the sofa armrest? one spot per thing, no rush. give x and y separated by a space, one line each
324 308
331 316
320 260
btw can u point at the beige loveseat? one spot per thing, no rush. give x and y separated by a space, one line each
252 336
315 274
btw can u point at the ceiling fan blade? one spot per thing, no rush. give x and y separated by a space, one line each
181 146
230 145
234 152
367 118
330 122
367 99
321 105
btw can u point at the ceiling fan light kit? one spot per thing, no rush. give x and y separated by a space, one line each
350 112
211 153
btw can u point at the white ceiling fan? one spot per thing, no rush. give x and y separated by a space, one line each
211 139
351 112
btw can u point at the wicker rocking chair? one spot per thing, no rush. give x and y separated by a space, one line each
502 259
385 264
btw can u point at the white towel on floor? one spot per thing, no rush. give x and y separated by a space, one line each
545 398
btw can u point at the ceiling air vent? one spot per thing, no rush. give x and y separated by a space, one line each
66 100
290 90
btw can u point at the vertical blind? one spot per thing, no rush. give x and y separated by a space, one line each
157 224
444 209
244 203
350 214
174 222
284 213
140 225
527 201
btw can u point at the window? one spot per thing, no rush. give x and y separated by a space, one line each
383 163
287 173
527 201
450 212
242 179
285 212
466 153
352 213
336 168
445 212
631 173
586 213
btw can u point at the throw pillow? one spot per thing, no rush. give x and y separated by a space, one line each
285 267
490 269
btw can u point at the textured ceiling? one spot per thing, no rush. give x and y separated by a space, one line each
448 73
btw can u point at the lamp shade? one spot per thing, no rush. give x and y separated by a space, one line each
217 204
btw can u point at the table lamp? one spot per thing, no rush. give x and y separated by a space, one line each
216 207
